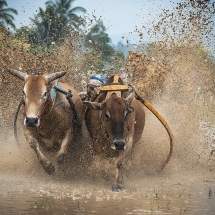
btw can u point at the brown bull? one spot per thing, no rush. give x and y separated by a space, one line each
116 121
48 123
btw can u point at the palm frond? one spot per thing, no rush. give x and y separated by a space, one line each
3 3
77 9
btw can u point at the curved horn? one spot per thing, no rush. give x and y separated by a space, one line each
171 137
130 96
18 74
54 76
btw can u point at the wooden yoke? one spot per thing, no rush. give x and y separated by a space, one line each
115 87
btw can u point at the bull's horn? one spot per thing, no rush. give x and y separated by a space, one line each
18 74
171 137
130 96
54 76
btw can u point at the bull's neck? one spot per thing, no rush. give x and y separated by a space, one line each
49 107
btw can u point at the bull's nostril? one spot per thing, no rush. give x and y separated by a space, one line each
117 145
31 121
120 145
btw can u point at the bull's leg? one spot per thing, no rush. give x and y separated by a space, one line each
47 143
117 181
118 173
47 165
64 147
119 166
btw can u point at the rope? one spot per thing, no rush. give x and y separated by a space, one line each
72 105
15 120
149 106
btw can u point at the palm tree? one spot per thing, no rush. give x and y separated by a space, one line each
55 22
66 14
47 27
5 14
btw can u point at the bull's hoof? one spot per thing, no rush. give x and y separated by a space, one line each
115 188
61 158
49 168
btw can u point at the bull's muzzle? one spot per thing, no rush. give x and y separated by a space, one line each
31 121
119 145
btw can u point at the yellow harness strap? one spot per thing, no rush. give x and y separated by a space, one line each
115 80
115 86
54 95
118 87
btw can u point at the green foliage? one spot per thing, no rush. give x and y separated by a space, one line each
97 40
53 24
124 48
119 60
90 60
23 33
47 27
67 15
6 17
46 205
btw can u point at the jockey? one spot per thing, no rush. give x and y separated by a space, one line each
94 82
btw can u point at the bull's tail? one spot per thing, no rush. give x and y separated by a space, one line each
171 137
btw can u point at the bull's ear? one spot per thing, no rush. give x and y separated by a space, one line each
54 76
18 74
130 96
93 105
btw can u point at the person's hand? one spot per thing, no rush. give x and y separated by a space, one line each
82 95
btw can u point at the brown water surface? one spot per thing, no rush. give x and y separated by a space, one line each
154 196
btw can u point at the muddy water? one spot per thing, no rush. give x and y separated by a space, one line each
186 186
69 197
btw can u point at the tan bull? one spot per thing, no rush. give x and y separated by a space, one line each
116 121
48 123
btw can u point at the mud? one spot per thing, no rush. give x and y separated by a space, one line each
176 78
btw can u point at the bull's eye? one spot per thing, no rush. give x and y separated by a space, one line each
126 115
107 115
44 95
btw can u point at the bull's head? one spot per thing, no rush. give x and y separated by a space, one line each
114 116
35 94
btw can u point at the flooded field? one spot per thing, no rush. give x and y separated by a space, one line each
186 186
161 194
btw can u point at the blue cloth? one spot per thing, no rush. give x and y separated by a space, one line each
53 91
97 78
